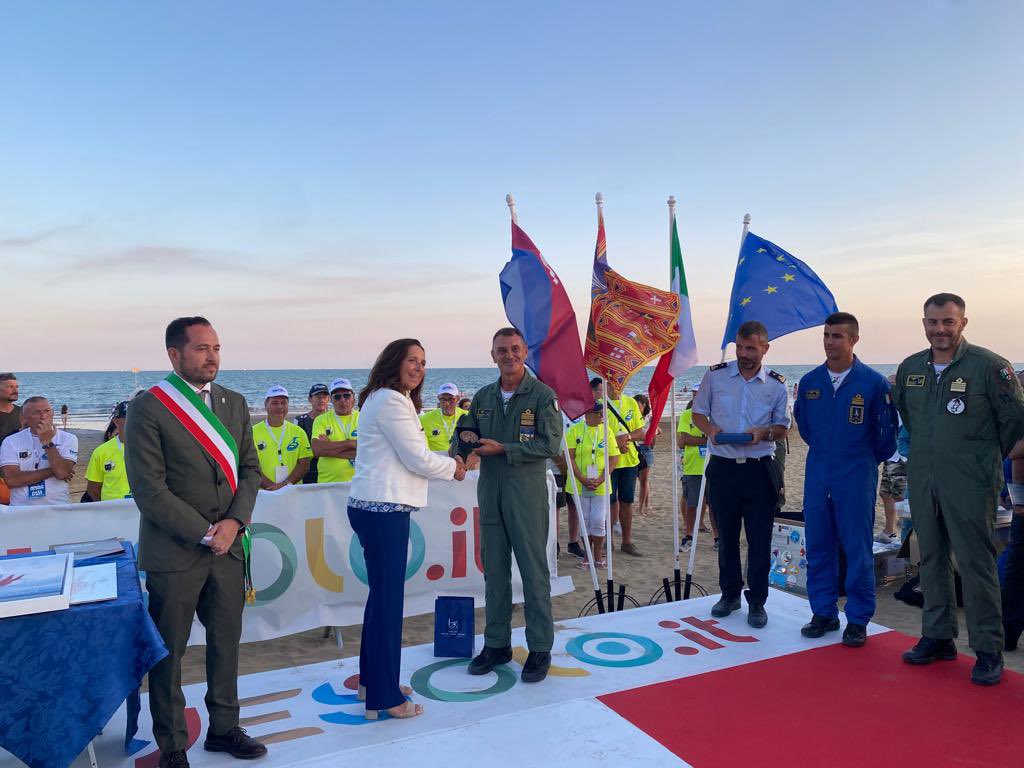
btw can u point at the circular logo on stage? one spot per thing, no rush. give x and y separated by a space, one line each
955 406
421 683
614 649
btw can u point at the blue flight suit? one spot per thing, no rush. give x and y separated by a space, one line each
848 433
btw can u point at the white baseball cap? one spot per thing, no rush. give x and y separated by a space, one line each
341 383
448 389
277 391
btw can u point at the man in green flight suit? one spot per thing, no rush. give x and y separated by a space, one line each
964 410
520 428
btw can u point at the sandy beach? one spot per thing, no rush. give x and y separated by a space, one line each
643 576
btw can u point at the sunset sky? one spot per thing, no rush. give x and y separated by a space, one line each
318 178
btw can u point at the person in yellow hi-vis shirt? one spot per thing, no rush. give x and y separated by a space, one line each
586 440
105 476
626 420
335 434
439 424
282 445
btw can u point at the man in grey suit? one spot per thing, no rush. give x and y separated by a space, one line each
194 473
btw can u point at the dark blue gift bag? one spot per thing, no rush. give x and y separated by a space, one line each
453 626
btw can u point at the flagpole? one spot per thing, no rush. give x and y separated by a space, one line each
672 431
607 496
746 228
511 203
703 473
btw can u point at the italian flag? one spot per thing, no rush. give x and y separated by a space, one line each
683 356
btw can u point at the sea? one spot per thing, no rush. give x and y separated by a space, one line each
91 395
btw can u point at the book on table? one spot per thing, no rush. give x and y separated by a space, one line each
83 550
35 584
94 583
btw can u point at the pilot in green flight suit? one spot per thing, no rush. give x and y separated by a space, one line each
520 428
964 411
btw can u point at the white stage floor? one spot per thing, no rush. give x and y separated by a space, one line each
310 716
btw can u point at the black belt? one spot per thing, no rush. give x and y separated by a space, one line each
744 459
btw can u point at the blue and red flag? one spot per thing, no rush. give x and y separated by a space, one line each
537 305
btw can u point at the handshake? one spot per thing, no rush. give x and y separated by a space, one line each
460 468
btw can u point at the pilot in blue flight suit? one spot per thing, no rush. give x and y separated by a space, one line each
849 423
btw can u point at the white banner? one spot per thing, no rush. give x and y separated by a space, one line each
308 567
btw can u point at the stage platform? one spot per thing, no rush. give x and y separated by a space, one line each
664 685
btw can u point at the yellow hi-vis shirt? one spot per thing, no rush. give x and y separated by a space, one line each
693 455
280 449
630 411
586 445
106 466
438 428
337 429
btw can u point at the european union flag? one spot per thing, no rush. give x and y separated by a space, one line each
776 288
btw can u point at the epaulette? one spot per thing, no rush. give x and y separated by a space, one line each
777 376
718 367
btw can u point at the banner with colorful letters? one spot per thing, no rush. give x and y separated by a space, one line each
308 567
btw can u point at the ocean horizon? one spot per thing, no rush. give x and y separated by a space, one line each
91 395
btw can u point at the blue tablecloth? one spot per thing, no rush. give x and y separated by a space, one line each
64 674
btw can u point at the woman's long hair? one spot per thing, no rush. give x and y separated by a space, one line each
386 372
644 403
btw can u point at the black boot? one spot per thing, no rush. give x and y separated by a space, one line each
536 667
855 635
724 607
176 759
819 625
929 649
987 669
489 658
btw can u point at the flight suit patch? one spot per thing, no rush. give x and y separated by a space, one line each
958 385
812 394
1006 374
956 406
857 409
483 413
527 425
915 380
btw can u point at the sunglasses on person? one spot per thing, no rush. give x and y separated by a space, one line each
341 396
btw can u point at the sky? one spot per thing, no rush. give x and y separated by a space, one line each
318 178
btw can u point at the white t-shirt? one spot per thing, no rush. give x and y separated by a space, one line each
505 397
939 368
837 378
23 450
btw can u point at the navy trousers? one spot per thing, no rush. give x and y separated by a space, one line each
384 537
743 497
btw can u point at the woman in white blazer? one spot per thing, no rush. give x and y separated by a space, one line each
393 466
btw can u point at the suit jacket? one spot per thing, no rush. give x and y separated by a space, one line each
179 489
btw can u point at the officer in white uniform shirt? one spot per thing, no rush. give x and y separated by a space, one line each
743 479
38 461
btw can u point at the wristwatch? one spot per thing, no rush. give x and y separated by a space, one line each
48 446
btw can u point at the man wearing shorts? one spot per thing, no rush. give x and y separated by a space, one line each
625 419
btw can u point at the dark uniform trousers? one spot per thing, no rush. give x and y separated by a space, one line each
945 524
744 494
215 590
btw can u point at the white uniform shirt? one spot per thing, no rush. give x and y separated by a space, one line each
23 450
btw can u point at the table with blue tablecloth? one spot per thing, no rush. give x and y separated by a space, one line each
63 674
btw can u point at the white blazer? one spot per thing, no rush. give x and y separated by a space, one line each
393 463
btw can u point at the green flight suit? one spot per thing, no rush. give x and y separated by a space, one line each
961 427
514 512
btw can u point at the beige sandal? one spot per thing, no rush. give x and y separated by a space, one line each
406 710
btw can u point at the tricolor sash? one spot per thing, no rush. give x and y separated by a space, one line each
194 415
